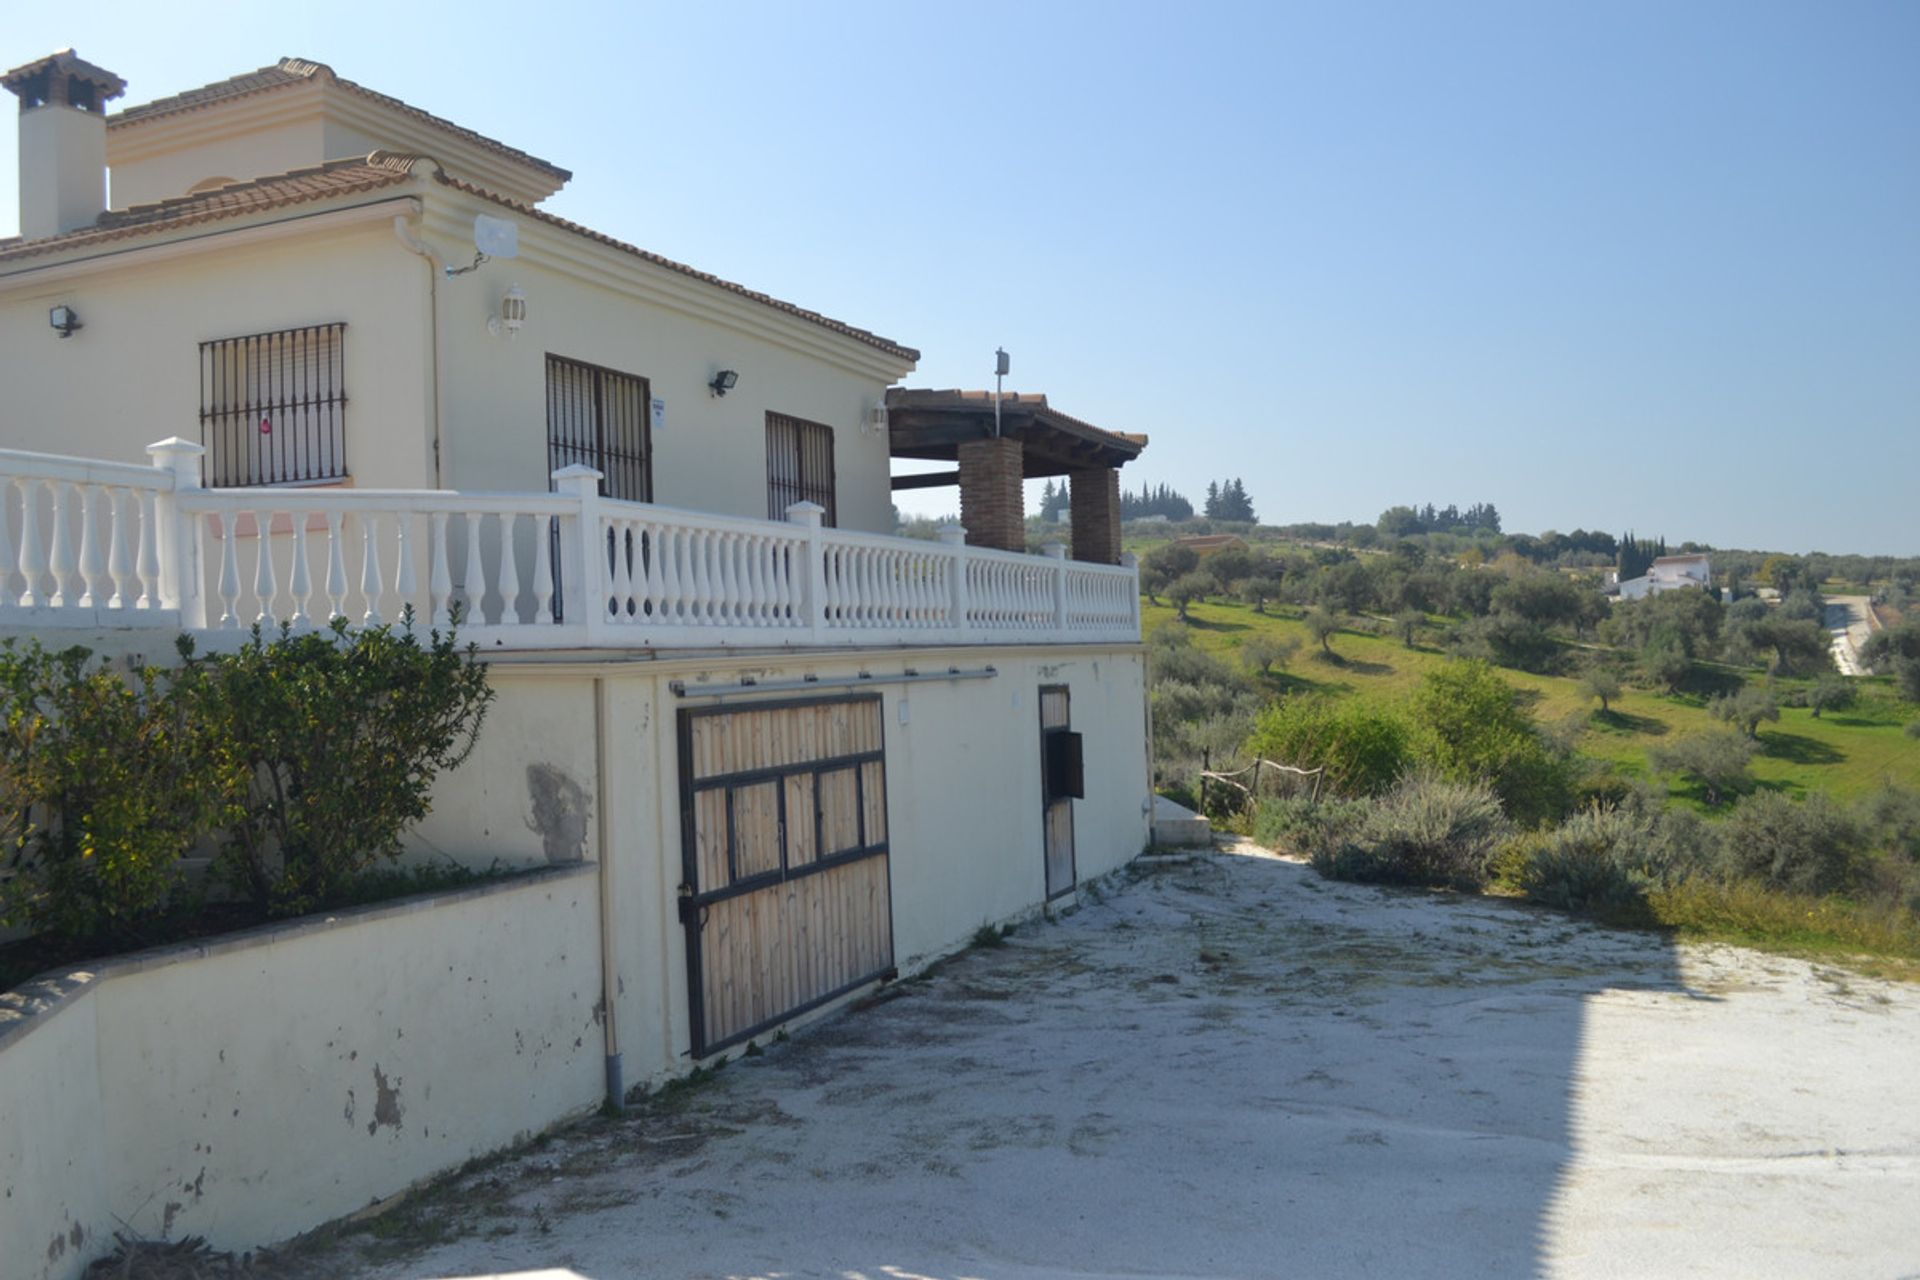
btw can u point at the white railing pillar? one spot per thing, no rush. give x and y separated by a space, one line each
955 536
1057 553
1131 563
813 581
179 531
583 577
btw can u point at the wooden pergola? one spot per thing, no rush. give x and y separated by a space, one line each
1035 440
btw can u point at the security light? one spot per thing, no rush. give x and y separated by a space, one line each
64 319
723 382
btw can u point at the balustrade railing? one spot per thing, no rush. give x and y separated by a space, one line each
102 544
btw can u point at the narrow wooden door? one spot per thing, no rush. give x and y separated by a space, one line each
785 896
1056 723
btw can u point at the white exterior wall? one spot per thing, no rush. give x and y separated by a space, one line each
258 1086
963 797
132 375
144 170
711 456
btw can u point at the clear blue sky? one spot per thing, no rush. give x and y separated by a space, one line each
1645 265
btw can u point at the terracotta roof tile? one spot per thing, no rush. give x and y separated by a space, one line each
346 177
887 345
300 71
67 63
299 186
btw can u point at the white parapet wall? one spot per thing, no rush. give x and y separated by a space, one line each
257 1085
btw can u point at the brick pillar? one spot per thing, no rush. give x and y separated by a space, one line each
1096 515
991 504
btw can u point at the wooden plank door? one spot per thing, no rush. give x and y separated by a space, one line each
1056 804
786 895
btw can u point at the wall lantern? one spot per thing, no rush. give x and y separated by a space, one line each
64 320
723 382
513 314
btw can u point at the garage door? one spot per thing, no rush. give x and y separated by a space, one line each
785 894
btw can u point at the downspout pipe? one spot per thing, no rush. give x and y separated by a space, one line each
442 464
609 972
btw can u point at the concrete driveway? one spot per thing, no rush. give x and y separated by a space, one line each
1234 1068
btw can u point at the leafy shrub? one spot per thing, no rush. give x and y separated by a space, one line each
1471 726
332 742
1891 820
1427 830
105 784
1810 846
1744 709
1364 748
1297 825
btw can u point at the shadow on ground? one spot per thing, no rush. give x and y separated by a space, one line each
1230 1067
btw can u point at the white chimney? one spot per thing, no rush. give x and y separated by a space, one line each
63 141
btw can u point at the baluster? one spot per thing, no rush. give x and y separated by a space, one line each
336 569
148 558
33 564
781 568
61 561
405 582
543 569
732 598
701 596
440 578
119 554
229 588
265 585
622 530
648 549
93 565
670 591
758 549
475 577
509 579
890 582
372 585
8 557
300 579
831 579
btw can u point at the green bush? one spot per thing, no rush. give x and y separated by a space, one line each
1297 825
1363 747
332 741
1471 726
1602 859
1810 846
1716 760
1427 830
105 784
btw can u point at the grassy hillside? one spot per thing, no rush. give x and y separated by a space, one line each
1844 753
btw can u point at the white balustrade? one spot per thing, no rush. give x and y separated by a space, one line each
87 543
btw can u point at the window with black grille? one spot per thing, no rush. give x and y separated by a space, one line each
799 465
273 407
599 418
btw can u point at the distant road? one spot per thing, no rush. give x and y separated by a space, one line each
1848 620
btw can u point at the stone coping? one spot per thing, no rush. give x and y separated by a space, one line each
29 1004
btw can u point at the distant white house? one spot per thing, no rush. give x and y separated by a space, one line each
1668 573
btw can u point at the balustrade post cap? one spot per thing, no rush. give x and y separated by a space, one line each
174 446
1053 551
577 479
952 534
807 513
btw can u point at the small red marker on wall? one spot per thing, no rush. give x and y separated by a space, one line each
266 427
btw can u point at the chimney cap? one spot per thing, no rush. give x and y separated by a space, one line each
66 78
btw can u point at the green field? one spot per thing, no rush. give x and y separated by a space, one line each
1845 753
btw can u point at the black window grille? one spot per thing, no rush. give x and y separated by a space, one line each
273 407
799 466
600 418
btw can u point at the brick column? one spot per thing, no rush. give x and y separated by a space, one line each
1096 515
991 504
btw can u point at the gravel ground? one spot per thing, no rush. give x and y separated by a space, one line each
1232 1068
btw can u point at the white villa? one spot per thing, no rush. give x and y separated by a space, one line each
323 354
1667 573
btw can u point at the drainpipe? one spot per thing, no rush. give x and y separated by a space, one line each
442 465
609 974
